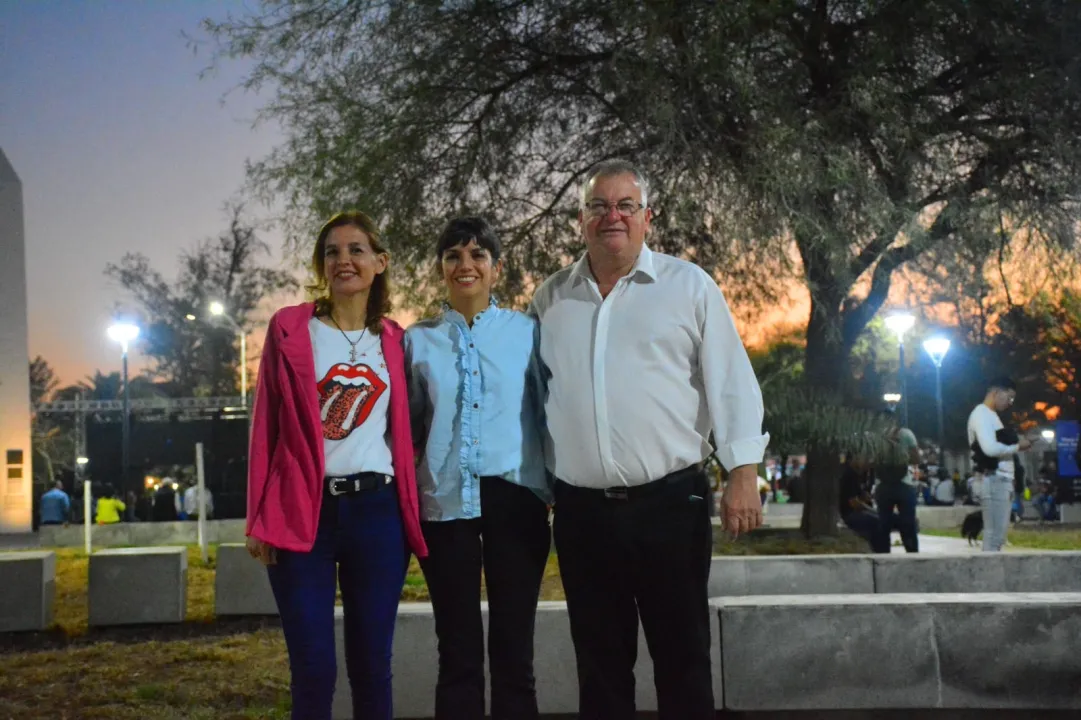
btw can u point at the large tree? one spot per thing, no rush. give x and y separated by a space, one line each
864 132
192 353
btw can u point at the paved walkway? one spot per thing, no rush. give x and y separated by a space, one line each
935 545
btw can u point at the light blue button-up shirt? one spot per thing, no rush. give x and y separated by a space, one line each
475 398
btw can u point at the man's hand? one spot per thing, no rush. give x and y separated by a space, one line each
741 506
1023 444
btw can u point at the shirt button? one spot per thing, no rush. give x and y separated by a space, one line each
475 476
476 373
470 344
476 441
476 405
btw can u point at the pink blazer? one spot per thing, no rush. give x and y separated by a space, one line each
286 464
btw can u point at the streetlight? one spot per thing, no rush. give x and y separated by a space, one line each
892 399
900 323
124 333
1047 435
217 309
937 347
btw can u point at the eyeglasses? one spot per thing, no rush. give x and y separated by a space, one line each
600 208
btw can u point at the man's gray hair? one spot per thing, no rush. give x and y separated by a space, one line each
608 168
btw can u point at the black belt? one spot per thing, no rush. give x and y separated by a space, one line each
635 492
357 483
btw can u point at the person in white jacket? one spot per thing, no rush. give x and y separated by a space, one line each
191 502
994 458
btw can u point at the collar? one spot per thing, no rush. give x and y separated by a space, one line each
643 266
454 316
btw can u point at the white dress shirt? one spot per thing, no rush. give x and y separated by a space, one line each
638 380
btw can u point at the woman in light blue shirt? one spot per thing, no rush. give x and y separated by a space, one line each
475 400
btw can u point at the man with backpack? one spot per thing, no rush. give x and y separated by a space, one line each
895 495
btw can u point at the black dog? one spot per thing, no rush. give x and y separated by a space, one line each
972 526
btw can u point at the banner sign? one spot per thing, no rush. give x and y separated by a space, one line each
1069 475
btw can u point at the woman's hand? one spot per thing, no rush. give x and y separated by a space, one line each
261 551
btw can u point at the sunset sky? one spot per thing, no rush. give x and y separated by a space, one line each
120 147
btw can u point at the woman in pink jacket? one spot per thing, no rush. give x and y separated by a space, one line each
332 493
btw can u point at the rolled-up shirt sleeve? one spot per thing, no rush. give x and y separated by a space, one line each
732 392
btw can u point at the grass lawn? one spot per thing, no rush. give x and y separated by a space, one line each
1032 537
204 668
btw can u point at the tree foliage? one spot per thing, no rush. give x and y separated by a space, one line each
200 356
50 437
867 132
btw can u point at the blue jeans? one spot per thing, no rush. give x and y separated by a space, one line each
896 504
996 511
360 541
867 525
1045 505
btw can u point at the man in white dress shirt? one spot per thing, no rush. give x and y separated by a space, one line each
644 365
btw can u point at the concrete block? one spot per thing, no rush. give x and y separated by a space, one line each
979 572
805 652
1010 652
1042 572
915 573
28 580
145 534
226 531
135 586
933 517
415 664
241 584
791 575
948 650
61 536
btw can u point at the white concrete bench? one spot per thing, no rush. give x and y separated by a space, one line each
137 586
841 652
979 572
241 584
738 576
27 590
415 664
791 575
143 534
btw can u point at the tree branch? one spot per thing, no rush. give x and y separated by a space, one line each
857 315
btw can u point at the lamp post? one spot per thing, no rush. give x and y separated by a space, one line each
900 323
124 333
937 347
217 309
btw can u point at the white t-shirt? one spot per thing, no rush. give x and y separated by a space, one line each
944 491
353 401
983 423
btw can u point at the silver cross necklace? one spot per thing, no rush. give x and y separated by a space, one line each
352 344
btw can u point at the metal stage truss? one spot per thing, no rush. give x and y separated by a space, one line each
234 404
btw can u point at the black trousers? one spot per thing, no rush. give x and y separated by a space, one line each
511 540
646 556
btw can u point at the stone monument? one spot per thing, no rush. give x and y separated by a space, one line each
15 456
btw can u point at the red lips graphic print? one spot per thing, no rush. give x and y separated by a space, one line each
347 394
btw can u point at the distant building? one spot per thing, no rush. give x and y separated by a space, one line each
16 503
